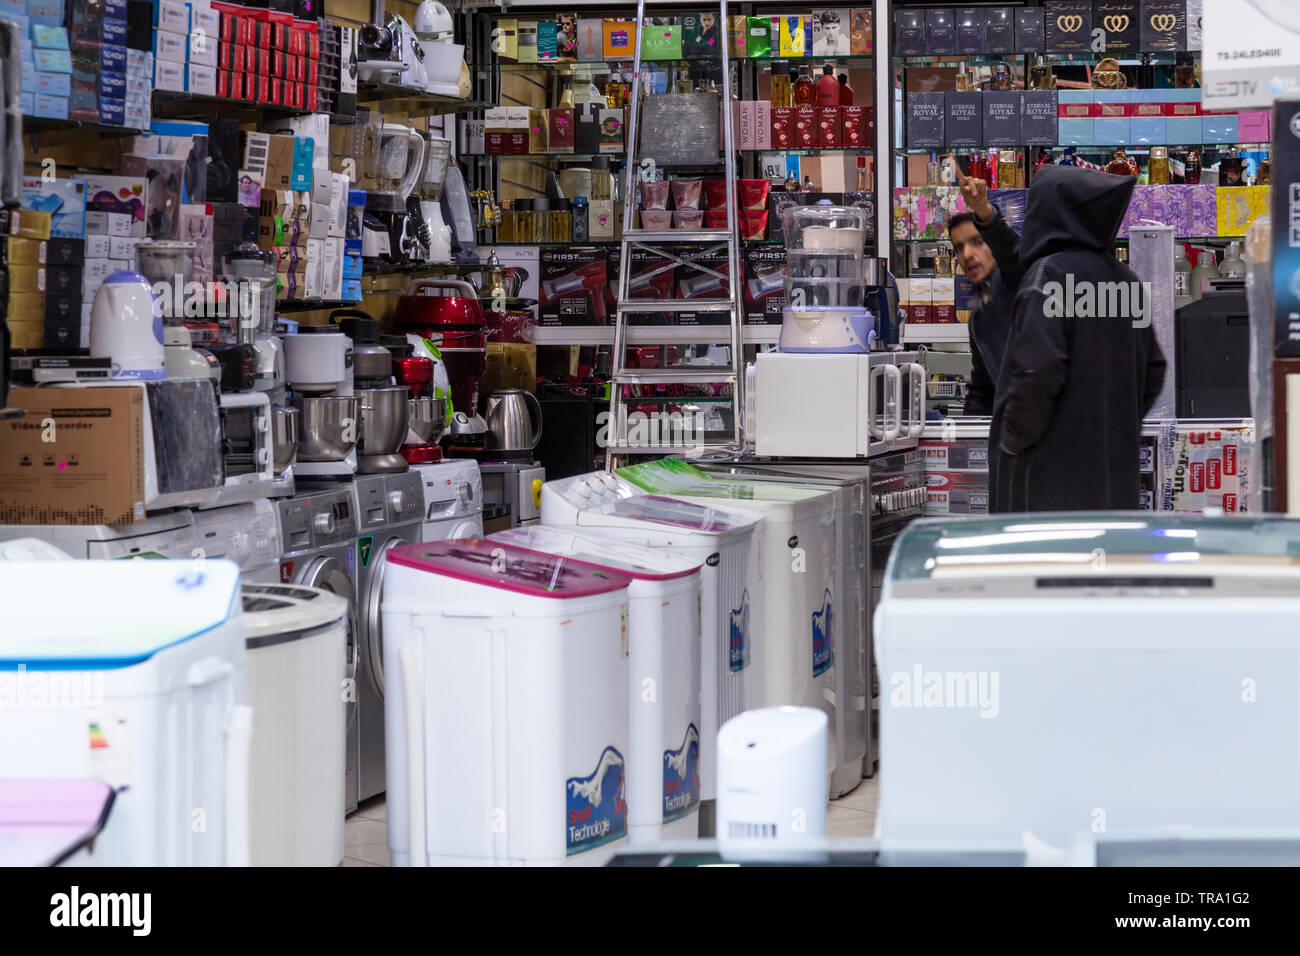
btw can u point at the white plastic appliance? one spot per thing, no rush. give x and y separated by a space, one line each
442 58
150 659
167 535
453 500
663 775
771 779
507 706
437 156
296 639
605 505
1067 673
126 326
248 534
837 406
803 582
854 735
319 362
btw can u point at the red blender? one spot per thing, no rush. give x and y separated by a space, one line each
450 308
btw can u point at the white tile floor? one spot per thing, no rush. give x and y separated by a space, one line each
365 840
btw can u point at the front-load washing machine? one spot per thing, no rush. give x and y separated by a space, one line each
248 534
389 514
453 499
318 531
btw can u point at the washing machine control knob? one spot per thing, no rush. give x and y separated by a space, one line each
397 501
324 523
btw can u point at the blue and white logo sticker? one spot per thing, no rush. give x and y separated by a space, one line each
823 638
596 810
739 633
682 776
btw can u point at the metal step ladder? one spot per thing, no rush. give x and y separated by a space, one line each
622 441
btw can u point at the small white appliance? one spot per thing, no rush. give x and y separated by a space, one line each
795 647
246 449
664 611
126 326
837 406
166 535
507 706
1063 674
437 241
604 505
182 360
297 644
771 780
513 488
823 329
453 499
150 659
319 362
248 534
442 57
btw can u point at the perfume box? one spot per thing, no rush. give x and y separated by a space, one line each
762 124
661 40
758 41
1194 8
1238 206
860 34
1164 25
560 130
1219 128
744 125
1147 118
909 32
548 41
943 299
940 32
591 41
1202 210
782 127
1069 26
1110 125
1074 117
617 39
920 299
1038 118
1169 205
1140 206
999 29
566 38
830 129
858 126
1030 37
701 35
805 127
964 119
1118 22
1001 117
969 24
794 35
526 38
1183 117
830 33
925 116
612 130
505 35
1255 126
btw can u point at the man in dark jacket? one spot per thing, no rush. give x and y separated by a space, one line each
988 251
1082 366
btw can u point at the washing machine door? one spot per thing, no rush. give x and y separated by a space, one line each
328 574
372 616
451 528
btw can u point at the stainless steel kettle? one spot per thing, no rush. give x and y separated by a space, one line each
509 420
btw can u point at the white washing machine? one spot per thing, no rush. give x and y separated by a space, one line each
318 531
296 639
802 583
453 499
146 662
166 535
507 706
389 514
248 534
605 505
663 760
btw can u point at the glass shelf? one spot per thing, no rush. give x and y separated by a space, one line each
864 59
1126 58
580 157
1137 148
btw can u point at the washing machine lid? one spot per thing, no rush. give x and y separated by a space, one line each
643 564
94 615
274 613
507 567
672 476
685 516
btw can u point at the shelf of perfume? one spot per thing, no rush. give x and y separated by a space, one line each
655 335
1132 149
1125 58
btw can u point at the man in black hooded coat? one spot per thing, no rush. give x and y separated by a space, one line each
1073 389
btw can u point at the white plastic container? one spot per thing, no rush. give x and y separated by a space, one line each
505 709
730 609
663 777
146 660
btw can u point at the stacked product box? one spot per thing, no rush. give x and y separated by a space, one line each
574 287
352 248
1202 468
58 285
232 224
52 76
138 105
186 39
335 238
265 56
956 476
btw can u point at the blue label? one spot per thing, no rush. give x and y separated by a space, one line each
823 637
596 810
682 776
739 628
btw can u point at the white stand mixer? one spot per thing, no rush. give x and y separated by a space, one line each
442 57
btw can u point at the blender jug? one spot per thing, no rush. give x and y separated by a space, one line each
252 274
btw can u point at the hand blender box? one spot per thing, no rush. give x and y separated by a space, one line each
572 287
764 294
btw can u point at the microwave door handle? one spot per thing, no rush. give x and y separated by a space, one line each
893 382
873 429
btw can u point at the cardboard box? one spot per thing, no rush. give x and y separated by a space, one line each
509 365
956 493
574 288
764 293
64 199
91 474
26 252
29 224
27 279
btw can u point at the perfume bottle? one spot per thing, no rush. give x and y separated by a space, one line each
791 184
864 177
1231 168
1121 165
808 186
828 88
846 91
1192 168
805 93
1040 74
932 170
684 84
1068 158
1006 169
991 170
1158 166
781 95
615 91
1001 78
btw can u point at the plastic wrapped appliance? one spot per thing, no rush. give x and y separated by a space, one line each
1065 674
664 611
730 609
146 661
506 706
825 277
803 582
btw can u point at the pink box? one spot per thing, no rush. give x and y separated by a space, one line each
1139 207
1255 126
1202 211
1169 204
762 124
744 120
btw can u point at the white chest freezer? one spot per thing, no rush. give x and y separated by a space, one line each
665 607
1069 674
731 604
801 571
132 672
506 705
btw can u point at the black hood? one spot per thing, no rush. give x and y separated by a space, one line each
1073 208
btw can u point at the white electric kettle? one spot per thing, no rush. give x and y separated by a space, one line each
126 326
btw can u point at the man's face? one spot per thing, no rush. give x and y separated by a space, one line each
974 257
832 28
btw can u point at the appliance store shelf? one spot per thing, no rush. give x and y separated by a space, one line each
925 332
655 335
